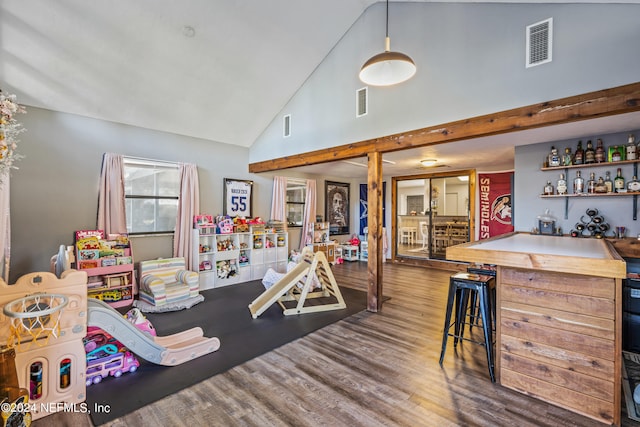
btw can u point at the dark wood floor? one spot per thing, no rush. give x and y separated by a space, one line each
367 370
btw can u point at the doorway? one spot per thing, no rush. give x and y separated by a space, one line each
431 212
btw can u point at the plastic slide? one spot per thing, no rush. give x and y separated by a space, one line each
169 350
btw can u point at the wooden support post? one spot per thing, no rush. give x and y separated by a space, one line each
374 238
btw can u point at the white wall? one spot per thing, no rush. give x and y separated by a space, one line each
55 190
471 61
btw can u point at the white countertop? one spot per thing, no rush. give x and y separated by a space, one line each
586 256
547 245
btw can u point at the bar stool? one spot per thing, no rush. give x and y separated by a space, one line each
474 309
460 286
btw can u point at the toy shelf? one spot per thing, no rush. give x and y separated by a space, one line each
100 279
241 257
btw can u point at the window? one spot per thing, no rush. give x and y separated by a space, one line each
151 189
415 204
296 195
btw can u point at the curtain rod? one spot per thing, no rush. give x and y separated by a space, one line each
143 159
301 181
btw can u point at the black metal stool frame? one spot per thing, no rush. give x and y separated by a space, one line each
459 289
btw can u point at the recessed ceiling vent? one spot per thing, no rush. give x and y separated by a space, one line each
286 126
539 42
362 102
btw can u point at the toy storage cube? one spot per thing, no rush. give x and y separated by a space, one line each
350 253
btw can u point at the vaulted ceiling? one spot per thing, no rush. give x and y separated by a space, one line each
213 69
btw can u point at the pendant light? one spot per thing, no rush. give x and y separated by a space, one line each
387 68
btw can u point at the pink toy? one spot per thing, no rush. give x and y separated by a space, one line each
112 364
354 241
95 338
256 220
138 319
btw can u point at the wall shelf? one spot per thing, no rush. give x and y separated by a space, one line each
565 169
589 165
587 195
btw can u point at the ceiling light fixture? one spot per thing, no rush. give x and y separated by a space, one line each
428 162
387 68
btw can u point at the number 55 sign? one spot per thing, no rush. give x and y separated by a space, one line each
237 197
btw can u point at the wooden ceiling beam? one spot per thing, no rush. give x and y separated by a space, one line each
602 103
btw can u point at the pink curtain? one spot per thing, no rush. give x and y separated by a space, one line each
309 211
111 211
188 207
279 199
5 227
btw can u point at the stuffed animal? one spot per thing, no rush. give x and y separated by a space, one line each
223 270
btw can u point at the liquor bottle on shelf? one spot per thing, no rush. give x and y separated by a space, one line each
632 151
591 183
608 183
578 184
561 186
554 158
600 154
589 153
600 186
567 157
616 156
618 182
548 189
633 185
578 158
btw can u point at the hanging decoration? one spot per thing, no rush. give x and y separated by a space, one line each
364 207
9 131
495 194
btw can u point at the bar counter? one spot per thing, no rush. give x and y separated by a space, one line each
559 318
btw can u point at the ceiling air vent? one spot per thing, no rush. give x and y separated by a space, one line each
286 126
362 102
539 42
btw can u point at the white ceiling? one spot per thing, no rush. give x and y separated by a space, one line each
194 67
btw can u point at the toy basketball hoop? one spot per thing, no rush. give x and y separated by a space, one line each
34 318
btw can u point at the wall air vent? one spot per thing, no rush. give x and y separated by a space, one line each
362 102
539 42
286 126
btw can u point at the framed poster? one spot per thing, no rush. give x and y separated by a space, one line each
336 207
238 197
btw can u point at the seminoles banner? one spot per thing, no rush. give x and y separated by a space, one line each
363 206
495 203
